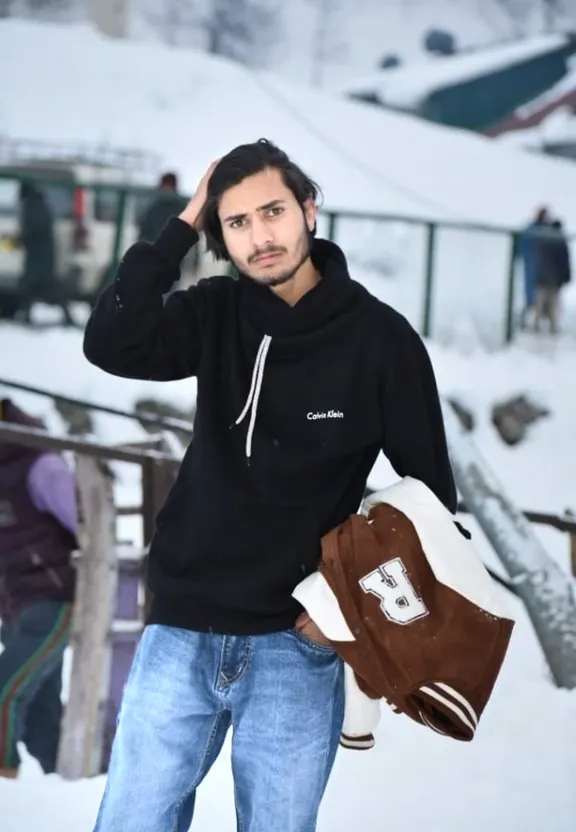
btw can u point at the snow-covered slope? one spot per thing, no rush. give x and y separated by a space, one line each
360 33
191 108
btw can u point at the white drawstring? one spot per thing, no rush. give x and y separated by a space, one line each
254 394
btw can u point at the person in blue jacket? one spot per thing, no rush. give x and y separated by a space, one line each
528 251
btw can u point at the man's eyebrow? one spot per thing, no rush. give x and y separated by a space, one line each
266 207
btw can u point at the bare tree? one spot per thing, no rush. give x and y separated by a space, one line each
6 8
49 6
243 30
327 44
557 12
172 20
518 12
529 16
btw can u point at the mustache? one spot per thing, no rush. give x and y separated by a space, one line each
264 251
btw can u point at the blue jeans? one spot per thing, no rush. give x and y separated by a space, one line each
282 695
31 682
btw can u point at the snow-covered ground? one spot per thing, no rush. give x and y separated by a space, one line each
518 774
557 128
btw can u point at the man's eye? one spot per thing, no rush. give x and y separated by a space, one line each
236 223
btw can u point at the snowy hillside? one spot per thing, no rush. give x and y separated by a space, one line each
356 33
361 32
191 108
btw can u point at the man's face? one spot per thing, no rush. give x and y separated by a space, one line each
265 230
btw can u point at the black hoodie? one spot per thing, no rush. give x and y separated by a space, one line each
293 406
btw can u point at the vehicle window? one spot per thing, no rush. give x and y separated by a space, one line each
8 197
60 199
106 205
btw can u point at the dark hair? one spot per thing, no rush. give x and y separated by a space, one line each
169 180
246 160
27 188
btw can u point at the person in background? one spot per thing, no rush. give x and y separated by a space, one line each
37 239
38 523
167 203
554 272
528 250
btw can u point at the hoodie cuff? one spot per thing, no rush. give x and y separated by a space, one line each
175 241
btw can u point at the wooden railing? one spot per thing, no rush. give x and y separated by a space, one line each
110 597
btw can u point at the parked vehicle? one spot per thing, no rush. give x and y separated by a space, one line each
85 222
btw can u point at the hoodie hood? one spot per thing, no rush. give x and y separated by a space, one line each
327 308
273 331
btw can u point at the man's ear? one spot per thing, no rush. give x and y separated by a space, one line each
311 214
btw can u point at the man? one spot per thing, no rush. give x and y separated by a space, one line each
37 535
167 203
37 240
554 272
38 281
303 377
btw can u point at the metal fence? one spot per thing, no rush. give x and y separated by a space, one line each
446 277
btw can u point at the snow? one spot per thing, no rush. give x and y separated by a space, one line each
513 776
557 128
191 108
406 87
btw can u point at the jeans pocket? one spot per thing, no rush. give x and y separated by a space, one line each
313 645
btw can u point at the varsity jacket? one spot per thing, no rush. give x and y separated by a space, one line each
412 611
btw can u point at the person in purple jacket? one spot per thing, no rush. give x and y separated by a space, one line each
38 524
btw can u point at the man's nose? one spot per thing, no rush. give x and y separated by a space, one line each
261 234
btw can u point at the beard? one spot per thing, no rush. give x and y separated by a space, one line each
279 278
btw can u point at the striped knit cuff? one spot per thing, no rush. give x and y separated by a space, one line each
449 712
362 743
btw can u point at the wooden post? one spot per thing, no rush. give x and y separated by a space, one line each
81 741
126 632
